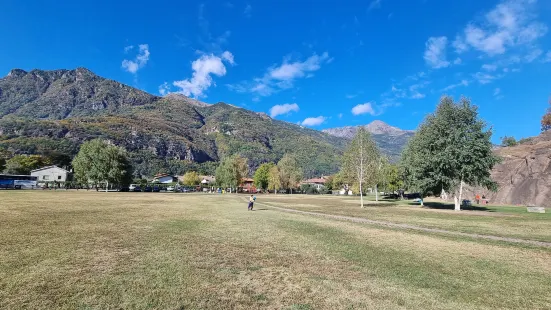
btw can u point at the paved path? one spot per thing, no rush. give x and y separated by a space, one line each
410 227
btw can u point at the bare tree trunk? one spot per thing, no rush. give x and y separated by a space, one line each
106 186
376 193
458 199
361 195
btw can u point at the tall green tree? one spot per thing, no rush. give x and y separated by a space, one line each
451 148
262 174
24 164
274 179
4 156
290 172
191 178
362 162
392 179
232 170
99 162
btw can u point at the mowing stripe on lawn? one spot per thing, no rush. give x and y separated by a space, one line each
411 227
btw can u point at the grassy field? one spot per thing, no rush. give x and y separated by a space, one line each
88 250
506 221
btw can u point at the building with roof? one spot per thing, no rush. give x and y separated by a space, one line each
318 183
164 178
51 174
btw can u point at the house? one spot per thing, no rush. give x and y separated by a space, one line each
318 183
247 185
51 174
207 180
164 178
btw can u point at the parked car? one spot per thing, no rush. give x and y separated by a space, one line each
133 186
137 189
170 189
124 189
148 189
156 189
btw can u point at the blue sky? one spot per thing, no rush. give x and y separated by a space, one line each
321 63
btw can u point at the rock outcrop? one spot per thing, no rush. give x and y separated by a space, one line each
524 176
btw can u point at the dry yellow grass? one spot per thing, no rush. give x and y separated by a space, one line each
87 250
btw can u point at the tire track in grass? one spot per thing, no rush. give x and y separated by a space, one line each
410 227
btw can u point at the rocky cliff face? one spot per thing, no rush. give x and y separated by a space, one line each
524 176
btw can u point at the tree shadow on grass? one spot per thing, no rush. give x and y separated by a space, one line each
448 206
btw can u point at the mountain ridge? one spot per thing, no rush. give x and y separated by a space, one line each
43 111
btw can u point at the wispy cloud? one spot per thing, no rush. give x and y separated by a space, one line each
489 67
547 57
486 78
452 86
283 109
283 76
435 52
128 48
248 11
510 24
203 69
364 108
164 89
533 55
139 61
497 94
313 121
375 4
210 43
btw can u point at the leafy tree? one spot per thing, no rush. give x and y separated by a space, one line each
450 149
191 178
97 162
508 141
546 119
392 178
232 170
362 162
290 172
4 156
262 175
274 179
24 164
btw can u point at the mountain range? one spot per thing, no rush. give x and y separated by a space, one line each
47 111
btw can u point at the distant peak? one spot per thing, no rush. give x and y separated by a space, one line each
17 73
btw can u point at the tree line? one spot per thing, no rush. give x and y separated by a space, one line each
451 149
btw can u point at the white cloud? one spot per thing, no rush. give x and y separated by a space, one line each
313 121
282 76
375 4
164 89
128 48
485 78
547 57
228 57
533 55
203 69
450 87
497 91
457 61
489 67
435 52
365 108
248 11
340 115
282 109
139 62
351 96
511 23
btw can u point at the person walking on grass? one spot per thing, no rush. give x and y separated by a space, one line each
251 203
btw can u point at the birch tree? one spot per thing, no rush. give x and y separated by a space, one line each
274 179
361 161
289 171
231 171
451 149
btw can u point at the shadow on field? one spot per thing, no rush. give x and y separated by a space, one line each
447 206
